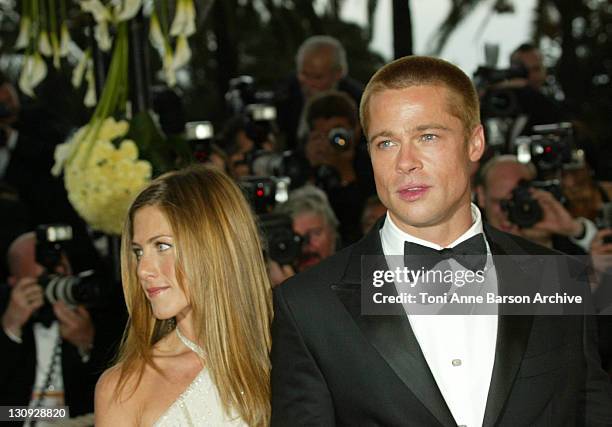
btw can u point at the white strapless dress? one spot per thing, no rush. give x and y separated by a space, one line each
199 405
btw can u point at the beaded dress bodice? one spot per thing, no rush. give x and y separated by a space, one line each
199 405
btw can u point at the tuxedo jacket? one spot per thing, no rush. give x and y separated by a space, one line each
333 366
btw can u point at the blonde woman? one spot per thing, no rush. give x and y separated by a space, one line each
195 351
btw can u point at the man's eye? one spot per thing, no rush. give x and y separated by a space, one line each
429 137
385 144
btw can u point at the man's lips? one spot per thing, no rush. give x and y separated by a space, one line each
153 292
413 192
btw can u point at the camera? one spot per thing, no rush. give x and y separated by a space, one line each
523 210
200 135
499 101
256 107
85 288
289 164
263 193
340 138
549 148
282 244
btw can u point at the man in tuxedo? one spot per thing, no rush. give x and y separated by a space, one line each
334 365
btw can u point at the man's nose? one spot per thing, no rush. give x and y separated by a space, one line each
408 158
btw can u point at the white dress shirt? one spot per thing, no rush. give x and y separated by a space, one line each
459 349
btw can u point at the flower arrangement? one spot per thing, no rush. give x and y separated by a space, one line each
103 177
107 161
44 33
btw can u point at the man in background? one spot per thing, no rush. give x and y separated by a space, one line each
321 65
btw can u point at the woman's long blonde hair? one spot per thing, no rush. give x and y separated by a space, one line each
220 266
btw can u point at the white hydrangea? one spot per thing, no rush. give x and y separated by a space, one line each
102 180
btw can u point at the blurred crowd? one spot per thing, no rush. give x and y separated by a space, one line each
303 162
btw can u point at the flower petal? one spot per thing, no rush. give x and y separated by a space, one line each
33 72
97 9
44 45
156 37
79 70
180 17
64 40
127 10
182 54
25 77
112 129
25 25
168 67
90 99
102 36
190 20
55 45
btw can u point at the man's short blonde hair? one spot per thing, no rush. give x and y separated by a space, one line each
425 71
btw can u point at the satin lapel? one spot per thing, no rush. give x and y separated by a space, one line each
512 334
391 335
393 339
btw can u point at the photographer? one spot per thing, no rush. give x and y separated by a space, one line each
331 149
556 228
314 220
321 65
45 365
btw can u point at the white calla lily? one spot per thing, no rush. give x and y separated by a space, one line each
97 9
79 70
179 19
182 53
127 9
190 24
102 36
44 45
156 37
55 46
64 40
184 19
90 96
24 77
168 67
25 26
33 72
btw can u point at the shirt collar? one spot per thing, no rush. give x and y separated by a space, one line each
393 238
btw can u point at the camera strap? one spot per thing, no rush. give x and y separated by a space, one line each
47 387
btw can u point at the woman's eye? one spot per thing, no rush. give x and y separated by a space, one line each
137 253
161 246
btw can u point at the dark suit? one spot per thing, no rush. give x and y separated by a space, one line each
333 366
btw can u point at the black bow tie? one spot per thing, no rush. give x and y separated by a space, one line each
471 253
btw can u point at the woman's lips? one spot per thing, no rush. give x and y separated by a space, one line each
413 193
153 292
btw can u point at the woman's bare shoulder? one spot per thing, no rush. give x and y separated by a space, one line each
112 408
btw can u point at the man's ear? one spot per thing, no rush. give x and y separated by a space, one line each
476 144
